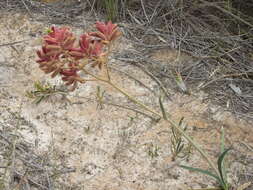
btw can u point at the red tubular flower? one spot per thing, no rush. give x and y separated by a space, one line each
99 58
89 48
59 39
85 43
56 43
83 50
96 48
44 56
71 76
107 32
47 63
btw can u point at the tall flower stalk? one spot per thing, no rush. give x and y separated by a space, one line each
61 54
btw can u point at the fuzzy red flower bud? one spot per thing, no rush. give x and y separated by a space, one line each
88 48
61 37
107 32
70 76
44 55
56 43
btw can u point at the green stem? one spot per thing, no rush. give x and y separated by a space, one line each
106 64
199 149
134 100
96 77
107 72
203 154
122 92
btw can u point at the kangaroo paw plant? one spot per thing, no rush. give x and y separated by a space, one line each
75 61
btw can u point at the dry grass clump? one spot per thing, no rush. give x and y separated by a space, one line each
20 166
217 34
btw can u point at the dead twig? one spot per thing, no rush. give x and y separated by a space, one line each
19 176
13 43
27 8
144 69
132 77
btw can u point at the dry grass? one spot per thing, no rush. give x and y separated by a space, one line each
20 166
217 35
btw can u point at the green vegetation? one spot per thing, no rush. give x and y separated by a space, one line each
221 162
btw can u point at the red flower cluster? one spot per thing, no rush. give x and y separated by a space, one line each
88 48
61 55
107 32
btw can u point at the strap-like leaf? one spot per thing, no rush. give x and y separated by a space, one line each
180 82
38 86
220 166
224 171
162 108
179 145
222 140
38 100
181 121
206 172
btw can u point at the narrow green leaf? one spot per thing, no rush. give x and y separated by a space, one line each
29 94
173 132
38 100
220 166
162 108
180 148
181 121
224 172
98 89
206 172
180 82
38 86
179 145
222 140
